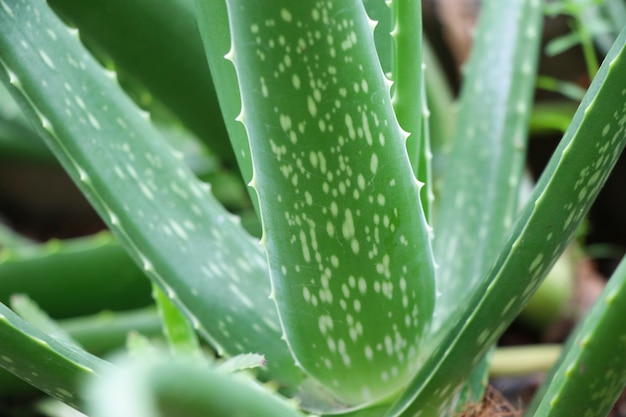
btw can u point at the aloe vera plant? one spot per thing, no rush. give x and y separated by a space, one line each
379 283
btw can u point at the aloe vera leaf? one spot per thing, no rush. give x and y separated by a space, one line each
139 346
409 96
28 310
440 100
169 61
380 12
17 141
52 408
546 225
344 230
18 144
212 18
179 332
242 362
167 220
591 372
479 187
441 105
159 388
61 367
11 238
98 334
46 271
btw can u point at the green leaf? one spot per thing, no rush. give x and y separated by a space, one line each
344 229
51 365
242 362
566 190
45 271
105 331
179 332
591 372
160 388
169 61
17 141
168 221
441 106
409 95
10 238
53 408
214 28
380 12
30 311
98 334
569 90
480 185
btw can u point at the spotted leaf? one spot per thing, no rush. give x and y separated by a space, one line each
591 373
344 229
168 221
65 366
571 181
158 387
477 200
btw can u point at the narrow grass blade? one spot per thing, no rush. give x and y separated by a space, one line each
345 233
160 388
51 365
566 190
479 187
168 221
591 372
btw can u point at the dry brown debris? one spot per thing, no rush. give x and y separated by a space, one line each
493 404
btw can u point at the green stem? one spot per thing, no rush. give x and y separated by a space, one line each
523 360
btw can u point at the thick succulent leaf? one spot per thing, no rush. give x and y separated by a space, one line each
479 187
591 372
344 229
28 310
169 61
10 238
212 19
169 222
566 190
159 388
97 334
380 12
441 107
62 367
46 271
441 110
409 95
17 141
101 333
243 362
